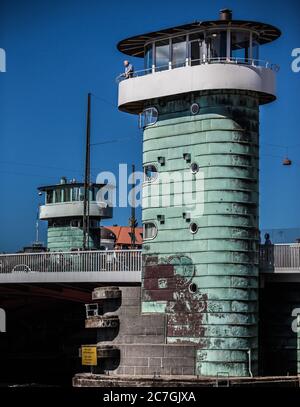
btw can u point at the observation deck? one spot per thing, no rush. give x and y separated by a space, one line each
201 56
216 73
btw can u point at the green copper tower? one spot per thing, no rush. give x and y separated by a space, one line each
198 102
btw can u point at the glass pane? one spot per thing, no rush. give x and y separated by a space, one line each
195 52
81 194
178 52
240 42
255 49
217 45
162 55
57 195
148 117
197 48
149 230
49 197
67 194
149 57
75 194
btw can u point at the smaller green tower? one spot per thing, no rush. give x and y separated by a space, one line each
63 210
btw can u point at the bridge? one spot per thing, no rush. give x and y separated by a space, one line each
121 266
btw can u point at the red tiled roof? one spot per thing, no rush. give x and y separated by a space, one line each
122 234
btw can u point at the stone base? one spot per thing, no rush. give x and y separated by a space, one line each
141 340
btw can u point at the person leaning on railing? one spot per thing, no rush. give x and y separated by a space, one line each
129 70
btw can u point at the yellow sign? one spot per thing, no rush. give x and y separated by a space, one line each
89 355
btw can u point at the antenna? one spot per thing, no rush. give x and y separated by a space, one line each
87 175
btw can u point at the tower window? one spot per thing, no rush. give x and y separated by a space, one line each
193 288
66 195
149 57
194 168
197 48
58 195
195 108
149 230
148 117
81 193
193 227
162 54
240 46
255 48
49 197
179 52
150 173
216 43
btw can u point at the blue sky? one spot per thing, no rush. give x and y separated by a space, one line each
57 51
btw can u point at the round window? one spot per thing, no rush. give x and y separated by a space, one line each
195 108
193 227
148 117
193 288
194 168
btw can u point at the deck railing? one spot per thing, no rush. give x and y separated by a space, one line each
192 62
87 261
281 257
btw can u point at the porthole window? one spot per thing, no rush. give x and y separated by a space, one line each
150 173
193 227
193 288
148 117
194 168
195 108
149 230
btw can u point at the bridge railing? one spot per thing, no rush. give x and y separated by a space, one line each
284 257
87 261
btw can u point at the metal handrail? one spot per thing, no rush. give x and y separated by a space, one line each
280 256
79 261
192 62
271 257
